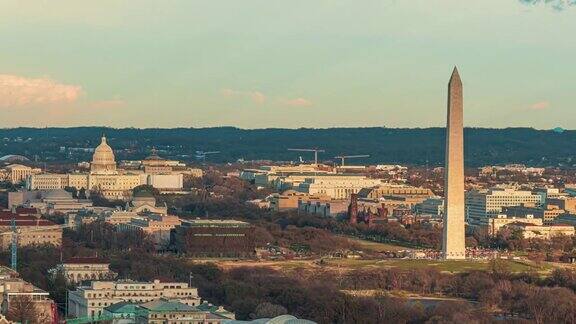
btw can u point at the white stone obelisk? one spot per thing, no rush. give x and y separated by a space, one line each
453 240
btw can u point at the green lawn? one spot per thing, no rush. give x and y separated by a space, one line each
451 266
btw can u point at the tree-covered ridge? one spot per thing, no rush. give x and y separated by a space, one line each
421 146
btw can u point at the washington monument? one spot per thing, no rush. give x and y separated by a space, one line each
453 245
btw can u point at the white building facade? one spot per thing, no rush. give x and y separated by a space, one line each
481 205
105 178
90 300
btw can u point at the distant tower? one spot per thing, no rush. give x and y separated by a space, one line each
353 209
453 243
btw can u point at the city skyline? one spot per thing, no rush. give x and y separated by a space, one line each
259 65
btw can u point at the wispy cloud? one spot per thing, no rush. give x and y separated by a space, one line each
256 96
298 102
542 105
260 98
17 91
558 5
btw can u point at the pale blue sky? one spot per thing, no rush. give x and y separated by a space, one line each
297 63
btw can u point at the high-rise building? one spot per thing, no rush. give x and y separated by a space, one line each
453 244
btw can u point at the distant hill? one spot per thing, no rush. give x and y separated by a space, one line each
385 145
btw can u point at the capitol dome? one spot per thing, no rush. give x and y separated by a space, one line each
103 160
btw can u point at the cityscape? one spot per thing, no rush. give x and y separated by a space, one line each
224 163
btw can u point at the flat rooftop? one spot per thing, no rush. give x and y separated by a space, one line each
214 223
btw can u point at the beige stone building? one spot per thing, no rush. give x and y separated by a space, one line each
56 201
79 269
30 231
324 207
385 190
543 231
17 173
12 287
548 214
145 203
271 176
157 226
334 186
566 203
495 224
289 199
105 178
90 300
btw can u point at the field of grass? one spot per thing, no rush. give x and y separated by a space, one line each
450 266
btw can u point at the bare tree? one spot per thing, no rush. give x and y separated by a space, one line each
22 309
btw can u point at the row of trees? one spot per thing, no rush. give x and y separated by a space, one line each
258 291
545 300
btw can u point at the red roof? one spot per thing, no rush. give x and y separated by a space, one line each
85 260
4 213
27 222
17 217
24 210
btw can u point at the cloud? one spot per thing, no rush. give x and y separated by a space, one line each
17 91
256 96
558 5
298 102
542 105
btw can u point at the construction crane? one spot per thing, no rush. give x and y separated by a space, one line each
316 151
344 157
14 246
201 155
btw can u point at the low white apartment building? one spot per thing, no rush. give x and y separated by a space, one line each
482 205
91 300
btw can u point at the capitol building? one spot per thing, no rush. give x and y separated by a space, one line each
105 178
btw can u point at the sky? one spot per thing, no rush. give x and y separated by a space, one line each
289 64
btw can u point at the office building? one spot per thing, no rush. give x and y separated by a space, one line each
90 300
484 204
78 269
215 238
433 207
547 214
30 231
495 224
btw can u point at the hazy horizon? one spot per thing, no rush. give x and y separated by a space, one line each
259 64
280 128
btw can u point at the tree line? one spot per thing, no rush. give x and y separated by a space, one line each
421 146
